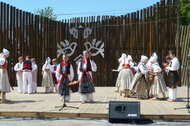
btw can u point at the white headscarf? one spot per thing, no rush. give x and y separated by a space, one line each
5 52
130 58
48 60
143 58
123 55
153 59
155 56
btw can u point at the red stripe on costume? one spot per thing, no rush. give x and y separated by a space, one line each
88 75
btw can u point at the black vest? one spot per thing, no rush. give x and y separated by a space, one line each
27 65
88 66
67 68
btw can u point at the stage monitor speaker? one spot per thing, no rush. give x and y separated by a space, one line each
124 110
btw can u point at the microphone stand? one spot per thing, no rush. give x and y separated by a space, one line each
64 104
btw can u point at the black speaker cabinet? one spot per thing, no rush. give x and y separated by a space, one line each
124 110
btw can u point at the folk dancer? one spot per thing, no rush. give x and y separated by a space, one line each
34 75
158 85
173 76
4 80
64 74
139 82
165 72
27 68
117 84
54 65
18 69
47 80
125 76
150 76
86 83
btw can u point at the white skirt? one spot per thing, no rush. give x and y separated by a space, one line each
125 79
159 85
47 80
4 81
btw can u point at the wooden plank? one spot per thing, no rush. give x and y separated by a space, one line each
23 34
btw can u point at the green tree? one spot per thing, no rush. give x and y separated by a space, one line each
185 12
46 12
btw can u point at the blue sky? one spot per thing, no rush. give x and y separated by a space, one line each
65 9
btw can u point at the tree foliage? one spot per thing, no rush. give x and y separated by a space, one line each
46 12
185 12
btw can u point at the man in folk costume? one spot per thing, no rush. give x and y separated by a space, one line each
34 75
86 83
158 85
54 65
4 80
173 76
47 80
64 74
18 69
27 68
139 82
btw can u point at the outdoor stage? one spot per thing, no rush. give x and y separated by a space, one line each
43 105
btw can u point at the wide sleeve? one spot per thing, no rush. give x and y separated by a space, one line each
78 68
71 73
94 67
157 69
57 74
34 67
22 65
142 69
43 68
51 68
174 66
16 67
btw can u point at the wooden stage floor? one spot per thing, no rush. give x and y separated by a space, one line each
43 105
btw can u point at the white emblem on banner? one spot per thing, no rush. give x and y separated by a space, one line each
74 32
78 59
87 32
66 47
95 48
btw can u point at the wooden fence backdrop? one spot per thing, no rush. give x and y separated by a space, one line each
152 29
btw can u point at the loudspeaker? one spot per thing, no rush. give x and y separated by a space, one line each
124 110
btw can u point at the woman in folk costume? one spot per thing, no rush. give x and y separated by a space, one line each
47 80
125 76
64 74
117 85
133 65
4 80
86 83
150 69
18 69
158 85
139 82
34 75
173 76
54 65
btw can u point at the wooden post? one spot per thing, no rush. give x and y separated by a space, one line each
178 50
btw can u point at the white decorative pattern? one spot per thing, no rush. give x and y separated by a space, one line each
87 32
66 47
78 59
94 47
74 32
